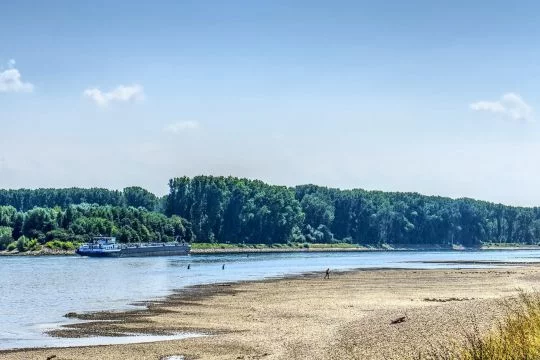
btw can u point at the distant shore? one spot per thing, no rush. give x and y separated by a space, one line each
230 249
42 252
348 316
242 250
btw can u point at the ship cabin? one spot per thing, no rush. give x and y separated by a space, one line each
104 242
101 243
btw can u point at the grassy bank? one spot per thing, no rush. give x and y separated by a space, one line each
68 248
25 246
207 248
517 335
512 246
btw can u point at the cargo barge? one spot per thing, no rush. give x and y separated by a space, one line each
106 246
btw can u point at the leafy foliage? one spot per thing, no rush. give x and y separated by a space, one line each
58 228
235 210
26 199
5 237
240 211
228 209
60 245
25 244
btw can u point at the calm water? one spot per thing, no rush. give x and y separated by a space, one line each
35 292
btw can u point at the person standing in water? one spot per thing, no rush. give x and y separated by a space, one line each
327 274
188 266
223 267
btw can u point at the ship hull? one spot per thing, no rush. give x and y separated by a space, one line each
139 252
98 253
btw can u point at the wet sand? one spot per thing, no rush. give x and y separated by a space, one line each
306 317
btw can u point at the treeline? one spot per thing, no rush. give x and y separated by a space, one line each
236 210
241 211
245 211
25 199
78 223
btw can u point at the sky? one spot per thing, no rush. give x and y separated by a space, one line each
434 97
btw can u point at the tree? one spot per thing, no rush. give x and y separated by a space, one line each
5 237
138 197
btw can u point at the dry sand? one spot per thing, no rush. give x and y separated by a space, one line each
306 317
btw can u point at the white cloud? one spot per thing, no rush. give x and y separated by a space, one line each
181 126
510 105
121 93
10 80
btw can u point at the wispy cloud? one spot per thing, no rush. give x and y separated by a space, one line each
180 126
121 93
510 105
10 80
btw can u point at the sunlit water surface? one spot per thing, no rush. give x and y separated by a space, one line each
35 292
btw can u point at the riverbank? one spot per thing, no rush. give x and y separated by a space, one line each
509 247
208 249
42 252
220 248
306 317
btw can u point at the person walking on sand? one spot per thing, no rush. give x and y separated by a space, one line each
327 274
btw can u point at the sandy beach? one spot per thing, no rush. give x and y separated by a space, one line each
306 317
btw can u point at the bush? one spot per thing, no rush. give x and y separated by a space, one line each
58 234
54 245
12 246
5 236
25 244
68 245
60 245
21 243
33 245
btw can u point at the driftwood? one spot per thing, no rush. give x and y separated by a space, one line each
399 320
51 357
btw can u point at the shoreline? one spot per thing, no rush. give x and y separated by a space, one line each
271 250
285 317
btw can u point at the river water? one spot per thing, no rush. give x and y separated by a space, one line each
35 292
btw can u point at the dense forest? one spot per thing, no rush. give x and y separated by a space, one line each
241 211
25 199
246 211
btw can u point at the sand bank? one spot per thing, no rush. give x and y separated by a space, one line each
306 317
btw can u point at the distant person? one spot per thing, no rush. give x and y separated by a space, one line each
223 267
188 266
327 274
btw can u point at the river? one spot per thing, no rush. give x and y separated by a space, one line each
35 292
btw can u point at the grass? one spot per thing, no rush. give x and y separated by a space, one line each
334 246
506 245
516 337
204 246
212 246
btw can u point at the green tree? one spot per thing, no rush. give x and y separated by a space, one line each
5 237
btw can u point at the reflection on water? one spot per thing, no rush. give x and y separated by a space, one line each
35 292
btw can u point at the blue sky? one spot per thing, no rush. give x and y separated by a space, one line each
401 96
